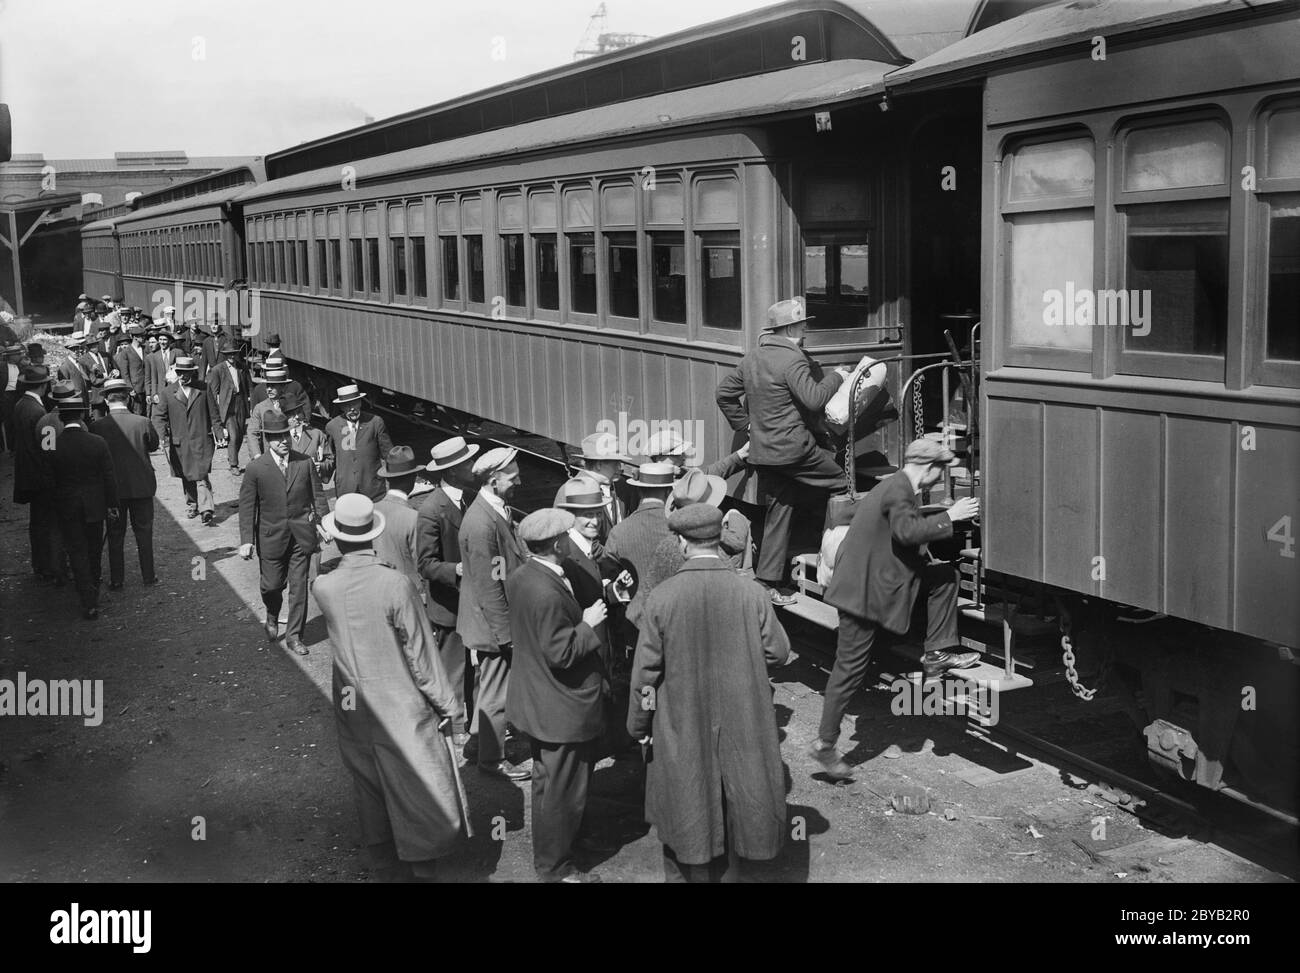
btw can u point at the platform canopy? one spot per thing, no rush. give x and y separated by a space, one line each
19 221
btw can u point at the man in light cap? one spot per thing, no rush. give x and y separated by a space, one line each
783 392
392 701
666 446
883 565
555 691
438 527
489 552
700 696
361 441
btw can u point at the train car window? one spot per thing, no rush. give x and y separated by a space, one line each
397 248
303 279
449 249
835 220
1279 196
336 251
717 200
579 209
1052 170
281 268
737 56
685 68
542 224
665 202
580 216
356 254
720 280
415 232
471 216
291 251
321 280
1175 156
618 217
668 267
794 41
510 223
372 250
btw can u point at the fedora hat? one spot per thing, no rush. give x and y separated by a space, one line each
34 375
450 452
74 401
229 348
603 446
784 313
354 518
696 486
185 364
400 462
61 390
347 393
581 493
654 475
275 424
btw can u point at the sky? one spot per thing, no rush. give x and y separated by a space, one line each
87 78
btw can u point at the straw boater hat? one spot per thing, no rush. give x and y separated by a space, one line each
278 376
784 313
354 518
928 452
450 452
666 443
76 341
347 393
400 462
696 486
117 385
61 390
581 493
654 475
603 446
184 364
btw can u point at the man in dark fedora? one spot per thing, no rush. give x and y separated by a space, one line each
131 366
360 441
883 566
778 393
33 481
85 495
130 438
438 557
281 506
635 538
397 545
228 385
306 438
555 695
193 432
160 371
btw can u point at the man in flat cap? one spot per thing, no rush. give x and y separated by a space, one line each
438 547
489 552
883 565
77 369
778 393
392 702
193 432
700 696
228 383
735 542
361 441
555 693
130 438
85 495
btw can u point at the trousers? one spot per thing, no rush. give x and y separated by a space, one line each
198 494
45 537
84 542
798 485
140 510
858 635
287 571
452 652
489 721
561 775
234 441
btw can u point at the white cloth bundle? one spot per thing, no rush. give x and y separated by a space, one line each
837 409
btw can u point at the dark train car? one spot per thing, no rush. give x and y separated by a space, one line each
599 244
1141 379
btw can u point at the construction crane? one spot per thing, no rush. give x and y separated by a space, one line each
597 40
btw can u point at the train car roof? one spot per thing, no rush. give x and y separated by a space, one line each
163 209
896 31
804 87
1062 24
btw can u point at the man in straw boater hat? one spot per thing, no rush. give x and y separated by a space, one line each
193 432
361 441
281 505
882 568
85 495
397 545
33 483
438 526
715 786
555 696
393 705
276 383
784 393
602 462
130 438
229 384
635 538
489 551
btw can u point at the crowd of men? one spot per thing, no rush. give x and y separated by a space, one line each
632 617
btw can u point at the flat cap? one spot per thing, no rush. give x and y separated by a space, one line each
696 522
928 452
542 525
495 459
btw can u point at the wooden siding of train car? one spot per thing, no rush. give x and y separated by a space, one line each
152 292
99 282
1148 474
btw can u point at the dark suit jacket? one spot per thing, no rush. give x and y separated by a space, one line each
438 545
84 485
878 571
32 476
588 574
228 403
192 429
784 393
132 367
131 438
271 507
356 469
314 443
155 372
556 671
490 552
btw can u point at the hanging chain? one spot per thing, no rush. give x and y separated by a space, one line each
1067 659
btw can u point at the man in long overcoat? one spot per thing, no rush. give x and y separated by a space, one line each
392 701
700 697
193 432
361 442
228 383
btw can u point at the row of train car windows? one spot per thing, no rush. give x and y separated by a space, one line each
188 252
1170 205
628 251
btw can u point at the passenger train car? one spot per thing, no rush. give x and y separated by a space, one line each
598 244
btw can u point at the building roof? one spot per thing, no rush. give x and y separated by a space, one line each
806 87
1062 24
52 201
34 162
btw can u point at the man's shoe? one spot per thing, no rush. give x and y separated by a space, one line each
207 519
503 771
272 628
938 662
295 646
780 599
831 763
191 514
150 581
576 877
236 471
